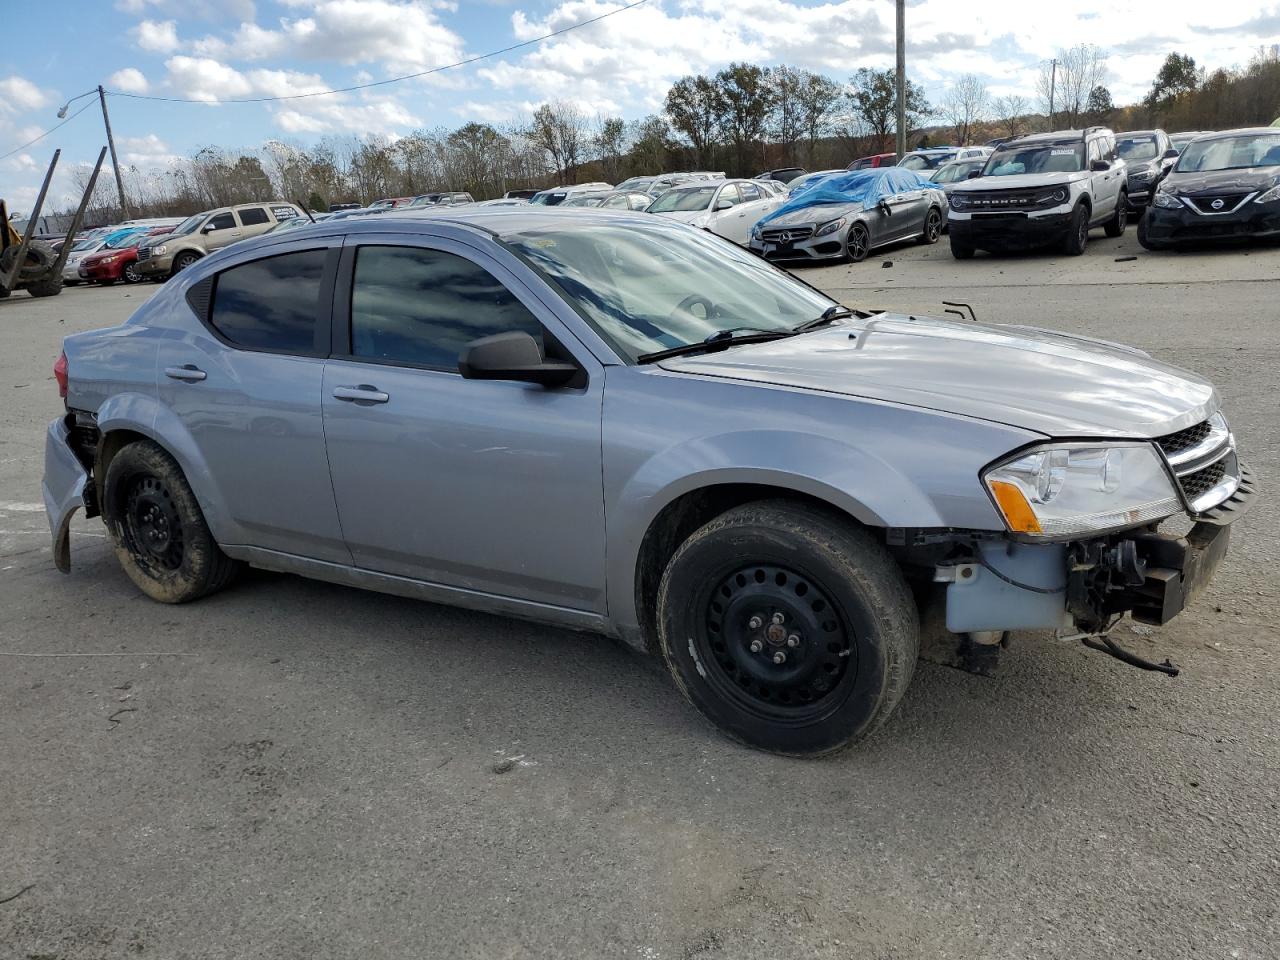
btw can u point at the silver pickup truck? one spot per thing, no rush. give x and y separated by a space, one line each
620 424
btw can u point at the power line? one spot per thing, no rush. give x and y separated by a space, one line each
46 133
381 83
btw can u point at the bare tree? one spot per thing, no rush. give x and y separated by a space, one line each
1064 84
560 129
610 143
1011 112
967 102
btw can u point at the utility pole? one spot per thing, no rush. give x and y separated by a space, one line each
902 78
1053 82
111 143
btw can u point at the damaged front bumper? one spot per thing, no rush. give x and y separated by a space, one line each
1000 584
66 489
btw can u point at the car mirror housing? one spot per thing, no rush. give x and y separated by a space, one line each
512 356
974 175
1099 166
1170 154
723 205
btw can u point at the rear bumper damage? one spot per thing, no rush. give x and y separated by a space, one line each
66 489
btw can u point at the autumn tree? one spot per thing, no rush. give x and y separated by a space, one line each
743 100
1178 75
691 108
873 99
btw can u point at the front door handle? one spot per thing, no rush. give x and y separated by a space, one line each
188 371
363 393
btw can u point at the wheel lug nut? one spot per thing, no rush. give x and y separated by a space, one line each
756 646
755 623
793 641
779 657
779 618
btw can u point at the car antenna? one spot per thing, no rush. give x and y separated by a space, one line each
307 212
958 310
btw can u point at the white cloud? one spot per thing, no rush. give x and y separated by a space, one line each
18 95
147 152
400 36
203 78
383 117
157 36
128 80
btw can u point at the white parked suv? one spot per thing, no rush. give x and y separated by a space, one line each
1039 190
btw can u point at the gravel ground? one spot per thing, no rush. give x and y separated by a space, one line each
297 770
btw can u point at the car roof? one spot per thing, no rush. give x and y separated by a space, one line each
1240 132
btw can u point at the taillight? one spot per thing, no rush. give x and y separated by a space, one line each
60 374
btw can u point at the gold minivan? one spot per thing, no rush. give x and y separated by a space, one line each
206 232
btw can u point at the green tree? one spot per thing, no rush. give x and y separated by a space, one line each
610 143
691 108
1178 75
873 98
1099 108
743 98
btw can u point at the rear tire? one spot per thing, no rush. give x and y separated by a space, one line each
1120 219
1077 237
848 634
160 536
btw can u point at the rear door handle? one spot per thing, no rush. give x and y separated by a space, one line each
363 393
188 371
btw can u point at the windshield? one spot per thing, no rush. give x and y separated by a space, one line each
123 240
190 224
1136 148
549 198
689 198
1231 153
955 171
649 287
921 161
1035 158
86 244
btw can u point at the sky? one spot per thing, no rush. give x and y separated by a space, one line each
216 49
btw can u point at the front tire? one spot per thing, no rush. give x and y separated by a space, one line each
131 274
1144 237
932 226
1077 237
182 261
160 536
961 249
788 627
858 243
1120 219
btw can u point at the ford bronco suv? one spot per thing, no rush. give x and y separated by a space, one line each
203 233
1040 190
619 423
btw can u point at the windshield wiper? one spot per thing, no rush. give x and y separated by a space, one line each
717 341
834 312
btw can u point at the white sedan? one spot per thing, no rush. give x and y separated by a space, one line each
729 208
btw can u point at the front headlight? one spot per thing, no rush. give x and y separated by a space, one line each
830 227
1271 196
755 232
957 201
1055 197
157 251
1143 174
1166 200
1082 489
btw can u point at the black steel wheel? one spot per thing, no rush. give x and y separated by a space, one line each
1077 235
858 244
788 626
160 535
776 642
1114 227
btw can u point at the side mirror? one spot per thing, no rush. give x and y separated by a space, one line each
207 228
974 175
512 356
1170 154
884 208
1099 166
723 205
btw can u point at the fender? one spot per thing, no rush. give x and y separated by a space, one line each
147 416
851 479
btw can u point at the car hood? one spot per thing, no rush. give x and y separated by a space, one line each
1051 383
817 213
1221 181
1019 181
686 216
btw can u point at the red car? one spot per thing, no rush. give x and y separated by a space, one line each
112 264
879 160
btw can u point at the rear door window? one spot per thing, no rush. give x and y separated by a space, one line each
271 304
252 216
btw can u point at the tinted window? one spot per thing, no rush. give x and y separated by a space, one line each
423 306
223 221
270 304
728 195
252 216
749 192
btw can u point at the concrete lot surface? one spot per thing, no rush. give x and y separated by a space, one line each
296 770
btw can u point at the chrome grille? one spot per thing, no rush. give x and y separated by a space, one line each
1218 202
1203 458
786 234
144 253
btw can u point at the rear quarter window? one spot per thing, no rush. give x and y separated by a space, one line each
272 304
252 216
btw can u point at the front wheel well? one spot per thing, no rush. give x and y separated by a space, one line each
677 521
